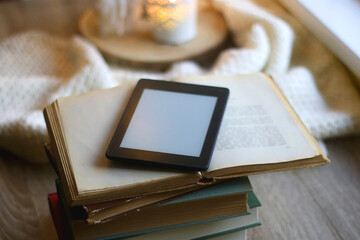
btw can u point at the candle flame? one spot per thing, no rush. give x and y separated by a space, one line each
167 14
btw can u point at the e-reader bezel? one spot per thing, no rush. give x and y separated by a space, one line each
116 152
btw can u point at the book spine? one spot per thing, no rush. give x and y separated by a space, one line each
57 213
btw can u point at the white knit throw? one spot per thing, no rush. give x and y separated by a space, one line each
36 68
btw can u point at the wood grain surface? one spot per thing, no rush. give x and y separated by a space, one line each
24 212
313 203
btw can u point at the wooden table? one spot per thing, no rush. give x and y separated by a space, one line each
313 203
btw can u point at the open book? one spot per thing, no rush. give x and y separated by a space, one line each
260 133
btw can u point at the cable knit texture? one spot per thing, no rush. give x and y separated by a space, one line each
36 68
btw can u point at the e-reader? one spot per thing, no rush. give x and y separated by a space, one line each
169 123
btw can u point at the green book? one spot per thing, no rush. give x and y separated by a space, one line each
225 199
210 229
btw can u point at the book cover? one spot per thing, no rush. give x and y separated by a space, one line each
213 229
62 227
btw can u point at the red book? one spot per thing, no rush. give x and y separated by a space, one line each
59 218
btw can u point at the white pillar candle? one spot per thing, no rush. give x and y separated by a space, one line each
173 21
117 17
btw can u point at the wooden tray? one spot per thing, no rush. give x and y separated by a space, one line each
140 50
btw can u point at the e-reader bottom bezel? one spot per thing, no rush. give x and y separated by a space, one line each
115 152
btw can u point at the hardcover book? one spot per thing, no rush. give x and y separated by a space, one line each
226 198
226 228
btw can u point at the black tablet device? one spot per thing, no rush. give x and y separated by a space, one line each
170 123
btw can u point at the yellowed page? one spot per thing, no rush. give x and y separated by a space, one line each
89 122
257 127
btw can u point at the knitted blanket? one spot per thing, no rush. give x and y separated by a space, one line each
36 68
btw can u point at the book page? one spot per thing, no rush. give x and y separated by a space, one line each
89 122
257 127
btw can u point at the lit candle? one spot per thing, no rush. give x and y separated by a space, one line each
173 21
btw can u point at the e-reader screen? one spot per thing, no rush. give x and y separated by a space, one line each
169 123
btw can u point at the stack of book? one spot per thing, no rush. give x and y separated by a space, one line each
209 212
101 199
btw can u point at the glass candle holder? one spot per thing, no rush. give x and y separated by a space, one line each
173 21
